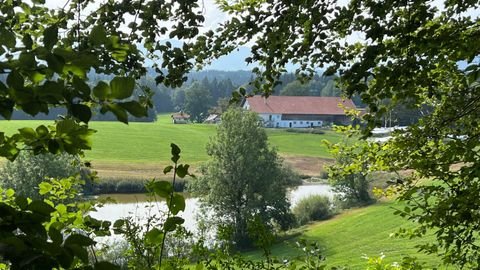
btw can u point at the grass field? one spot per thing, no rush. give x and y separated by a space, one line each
355 233
146 146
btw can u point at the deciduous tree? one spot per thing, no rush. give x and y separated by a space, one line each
197 101
244 177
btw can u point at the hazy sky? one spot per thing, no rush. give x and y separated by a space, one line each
213 16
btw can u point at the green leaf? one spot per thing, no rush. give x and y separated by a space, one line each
79 251
28 133
134 108
6 108
42 131
98 35
119 223
172 222
41 207
53 146
82 112
15 80
176 203
55 62
3 89
154 236
182 170
122 87
81 86
167 169
161 188
27 41
119 112
9 193
65 126
52 90
45 188
101 91
27 60
175 152
78 239
55 235
7 38
50 37
74 70
36 77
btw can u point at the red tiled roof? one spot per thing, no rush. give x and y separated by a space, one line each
180 116
299 105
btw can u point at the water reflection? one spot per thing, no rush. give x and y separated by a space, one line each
136 205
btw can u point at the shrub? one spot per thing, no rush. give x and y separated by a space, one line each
28 170
312 208
108 185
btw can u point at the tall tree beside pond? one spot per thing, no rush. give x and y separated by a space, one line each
244 177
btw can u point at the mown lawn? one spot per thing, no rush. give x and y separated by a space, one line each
346 238
115 142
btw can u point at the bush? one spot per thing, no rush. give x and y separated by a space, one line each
28 170
107 185
312 208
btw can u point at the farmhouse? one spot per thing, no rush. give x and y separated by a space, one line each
180 118
299 111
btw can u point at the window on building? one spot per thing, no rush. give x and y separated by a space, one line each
301 122
294 122
270 117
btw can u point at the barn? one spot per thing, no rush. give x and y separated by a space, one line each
300 111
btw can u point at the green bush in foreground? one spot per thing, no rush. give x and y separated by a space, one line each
312 208
28 170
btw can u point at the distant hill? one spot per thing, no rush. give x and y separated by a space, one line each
238 77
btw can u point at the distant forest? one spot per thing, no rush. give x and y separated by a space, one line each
208 92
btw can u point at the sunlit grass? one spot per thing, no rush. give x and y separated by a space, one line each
348 237
115 142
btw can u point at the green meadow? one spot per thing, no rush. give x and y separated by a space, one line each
146 143
353 234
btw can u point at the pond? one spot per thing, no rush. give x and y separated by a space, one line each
136 205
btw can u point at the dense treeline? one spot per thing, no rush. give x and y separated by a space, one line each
204 91
208 91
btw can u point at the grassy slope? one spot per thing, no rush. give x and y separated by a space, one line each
365 231
150 142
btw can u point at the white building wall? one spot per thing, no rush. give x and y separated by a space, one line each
275 120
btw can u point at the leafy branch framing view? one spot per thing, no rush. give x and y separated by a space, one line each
411 53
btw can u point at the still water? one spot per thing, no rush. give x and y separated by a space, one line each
136 205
